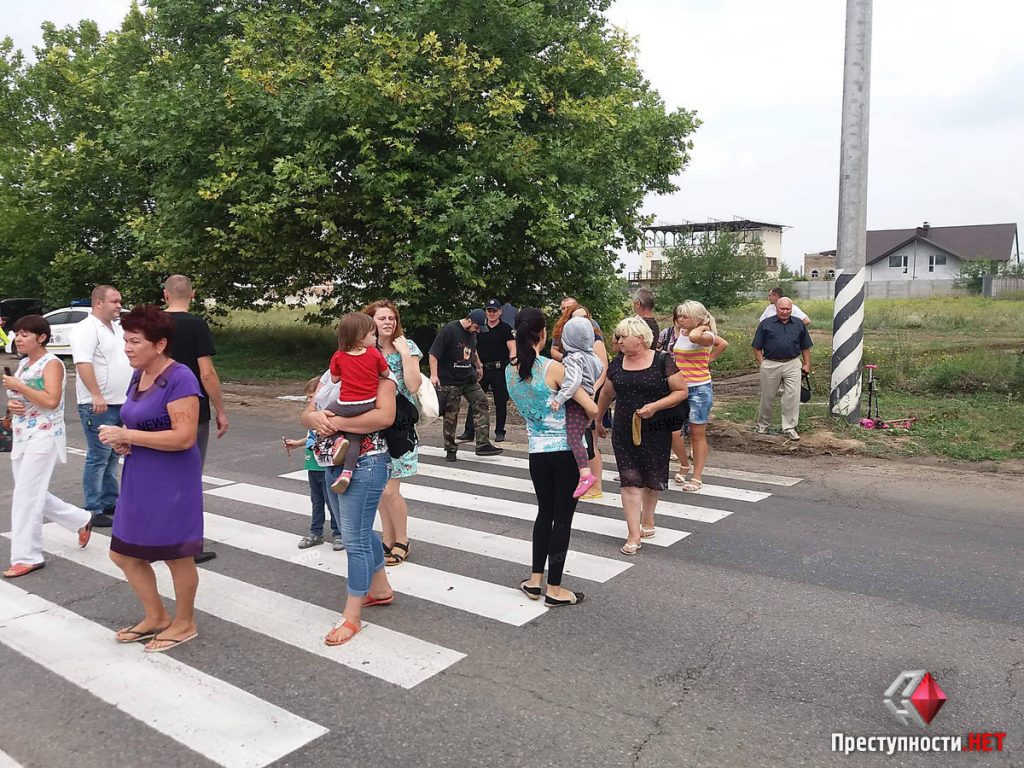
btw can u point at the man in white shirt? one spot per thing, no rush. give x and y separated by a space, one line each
773 296
103 375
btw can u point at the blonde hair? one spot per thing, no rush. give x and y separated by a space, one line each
635 326
311 386
698 312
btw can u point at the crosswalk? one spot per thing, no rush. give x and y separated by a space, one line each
451 507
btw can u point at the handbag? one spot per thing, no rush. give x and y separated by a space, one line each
805 387
6 434
675 417
427 401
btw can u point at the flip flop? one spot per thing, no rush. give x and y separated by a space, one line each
343 624
630 549
22 569
647 533
139 636
369 601
173 643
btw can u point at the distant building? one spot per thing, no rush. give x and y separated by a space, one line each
927 252
660 237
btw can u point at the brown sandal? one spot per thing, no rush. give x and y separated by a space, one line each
393 557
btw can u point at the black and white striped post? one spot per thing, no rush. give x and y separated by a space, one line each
851 245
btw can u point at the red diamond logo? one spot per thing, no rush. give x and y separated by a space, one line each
928 698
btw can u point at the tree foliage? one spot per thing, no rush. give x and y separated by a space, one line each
436 152
719 270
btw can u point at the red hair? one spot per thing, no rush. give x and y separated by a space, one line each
371 310
151 321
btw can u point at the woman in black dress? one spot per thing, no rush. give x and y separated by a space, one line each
646 383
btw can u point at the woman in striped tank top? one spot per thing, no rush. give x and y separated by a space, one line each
694 350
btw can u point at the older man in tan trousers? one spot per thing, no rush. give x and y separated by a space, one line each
782 347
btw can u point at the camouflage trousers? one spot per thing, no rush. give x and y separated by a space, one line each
474 394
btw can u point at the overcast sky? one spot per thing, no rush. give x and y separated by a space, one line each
947 106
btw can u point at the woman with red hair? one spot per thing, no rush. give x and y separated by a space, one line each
160 509
403 358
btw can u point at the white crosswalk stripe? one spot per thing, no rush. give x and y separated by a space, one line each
220 721
580 564
392 656
514 462
493 601
6 761
604 526
506 483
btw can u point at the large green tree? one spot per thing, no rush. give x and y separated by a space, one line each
721 270
432 151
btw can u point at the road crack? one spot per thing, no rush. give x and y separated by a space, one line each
688 677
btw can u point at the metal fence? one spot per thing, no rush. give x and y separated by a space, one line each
1002 287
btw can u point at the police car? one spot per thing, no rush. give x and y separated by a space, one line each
61 322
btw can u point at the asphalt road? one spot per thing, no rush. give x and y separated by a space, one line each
748 642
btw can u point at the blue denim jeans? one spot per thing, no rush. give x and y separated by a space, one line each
357 509
99 478
320 495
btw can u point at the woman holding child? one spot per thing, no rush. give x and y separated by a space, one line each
533 381
367 581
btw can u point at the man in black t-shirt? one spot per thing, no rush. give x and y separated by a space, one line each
495 344
192 346
456 371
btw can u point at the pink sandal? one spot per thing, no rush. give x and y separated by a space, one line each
584 485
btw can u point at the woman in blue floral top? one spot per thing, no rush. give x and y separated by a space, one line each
403 358
35 397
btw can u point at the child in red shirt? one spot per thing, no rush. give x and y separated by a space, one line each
358 365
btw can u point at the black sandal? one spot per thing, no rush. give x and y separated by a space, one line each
531 591
551 602
394 558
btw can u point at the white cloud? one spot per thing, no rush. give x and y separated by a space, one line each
947 112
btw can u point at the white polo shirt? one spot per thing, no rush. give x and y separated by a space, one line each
769 311
92 342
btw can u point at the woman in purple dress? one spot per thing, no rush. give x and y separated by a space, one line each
160 509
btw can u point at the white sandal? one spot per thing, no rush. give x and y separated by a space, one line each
630 549
692 485
647 533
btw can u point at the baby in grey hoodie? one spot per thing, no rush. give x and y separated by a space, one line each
582 370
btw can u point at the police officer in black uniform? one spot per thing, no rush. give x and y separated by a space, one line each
495 344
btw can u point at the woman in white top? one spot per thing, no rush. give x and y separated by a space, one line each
35 394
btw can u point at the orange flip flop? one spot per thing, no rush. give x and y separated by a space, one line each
343 624
21 569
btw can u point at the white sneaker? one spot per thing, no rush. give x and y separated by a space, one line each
791 434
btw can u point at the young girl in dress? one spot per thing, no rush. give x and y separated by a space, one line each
358 365
582 370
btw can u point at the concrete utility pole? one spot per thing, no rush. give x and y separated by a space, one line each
848 314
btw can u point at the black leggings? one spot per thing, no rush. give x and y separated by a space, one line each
555 477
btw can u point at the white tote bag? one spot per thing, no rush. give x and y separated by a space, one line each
426 400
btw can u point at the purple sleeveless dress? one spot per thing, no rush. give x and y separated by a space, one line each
160 510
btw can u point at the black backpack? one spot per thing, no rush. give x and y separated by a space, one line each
401 435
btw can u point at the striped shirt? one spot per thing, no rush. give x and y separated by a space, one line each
692 360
